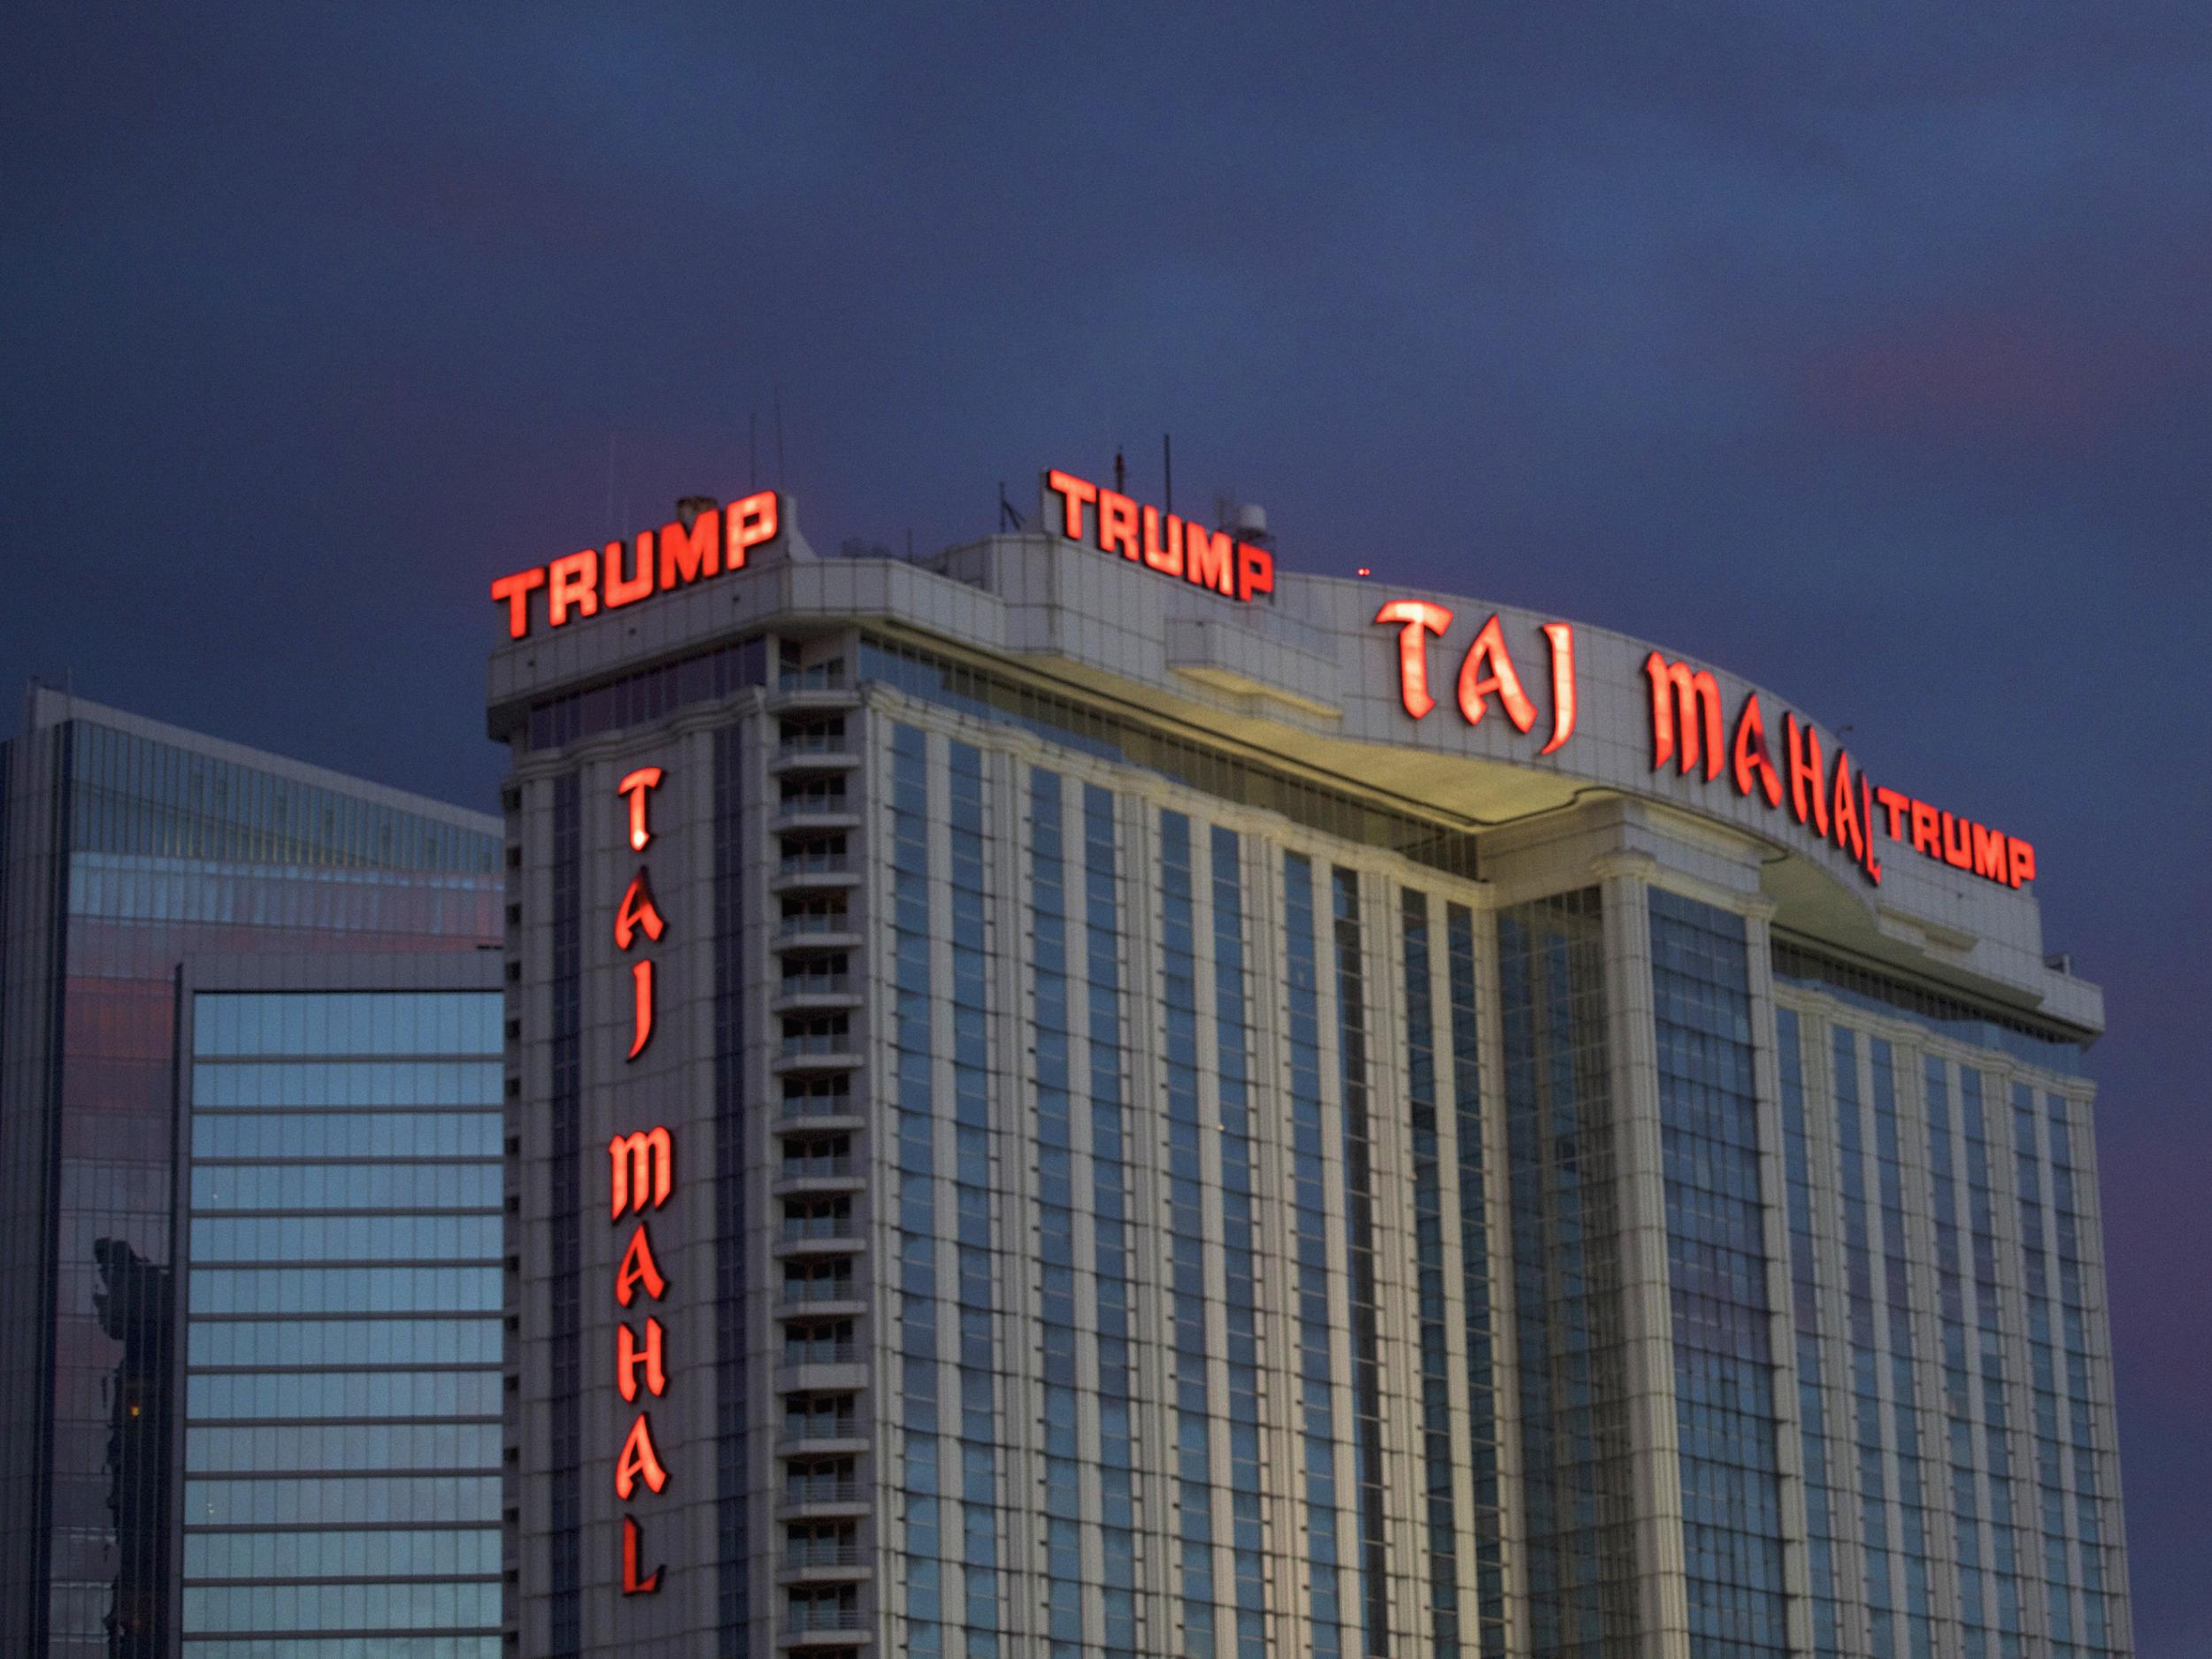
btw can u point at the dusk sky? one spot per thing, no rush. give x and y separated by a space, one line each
1865 350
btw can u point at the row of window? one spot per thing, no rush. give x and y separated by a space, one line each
483 1646
347 1186
393 905
346 1021
335 1342
343 1501
139 794
379 1393
424 1134
319 1607
288 1084
221 1290
347 1238
429 1552
281 1448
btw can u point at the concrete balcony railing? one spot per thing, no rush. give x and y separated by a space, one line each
798 1291
803 1557
802 1491
824 1354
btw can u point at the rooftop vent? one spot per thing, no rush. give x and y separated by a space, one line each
1252 524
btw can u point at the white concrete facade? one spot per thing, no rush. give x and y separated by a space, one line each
1174 1156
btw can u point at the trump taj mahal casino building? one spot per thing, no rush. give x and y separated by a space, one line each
1086 1095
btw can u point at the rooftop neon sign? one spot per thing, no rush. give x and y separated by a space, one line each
1160 542
582 584
1689 729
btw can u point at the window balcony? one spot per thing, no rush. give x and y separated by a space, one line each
815 861
825 1560
807 740
823 687
813 1106
820 1229
843 1351
797 939
798 1291
814 753
834 1553
826 1166
796 993
794 817
823 1434
810 1492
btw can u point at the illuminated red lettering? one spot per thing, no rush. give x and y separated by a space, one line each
1989 854
1209 557
638 1460
639 1271
1117 524
515 590
1684 711
641 1168
630 1358
633 1545
1866 802
1256 571
1843 809
1073 492
752 521
1475 686
1752 767
1959 853
573 586
636 910
1562 635
2022 861
623 591
1167 560
1925 837
636 785
1801 746
688 555
641 1007
1896 805
1416 619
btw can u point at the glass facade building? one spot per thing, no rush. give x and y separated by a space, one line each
341 1213
126 846
1184 1182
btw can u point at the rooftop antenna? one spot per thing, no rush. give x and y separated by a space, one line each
611 525
1007 518
776 391
1121 473
752 452
1167 472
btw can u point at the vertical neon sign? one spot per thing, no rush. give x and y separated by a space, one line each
641 1178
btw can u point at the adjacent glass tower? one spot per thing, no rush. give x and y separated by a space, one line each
1161 1196
338 1308
125 847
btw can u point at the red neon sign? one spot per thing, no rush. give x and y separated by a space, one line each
634 788
1161 541
1835 803
641 1168
1486 672
579 584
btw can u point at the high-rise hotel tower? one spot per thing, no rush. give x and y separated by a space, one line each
1086 1096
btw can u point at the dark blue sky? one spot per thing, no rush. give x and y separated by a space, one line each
1865 350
